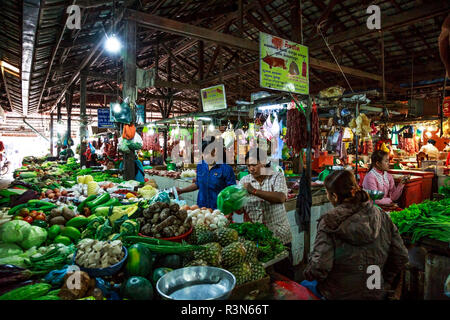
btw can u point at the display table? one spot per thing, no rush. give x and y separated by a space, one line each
412 192
427 182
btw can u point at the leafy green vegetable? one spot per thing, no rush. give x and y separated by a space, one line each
268 245
428 219
34 236
13 231
445 189
9 249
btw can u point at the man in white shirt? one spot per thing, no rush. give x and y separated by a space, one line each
430 150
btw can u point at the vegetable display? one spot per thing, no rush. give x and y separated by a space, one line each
430 219
58 218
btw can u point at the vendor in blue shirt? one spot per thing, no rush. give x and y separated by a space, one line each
210 180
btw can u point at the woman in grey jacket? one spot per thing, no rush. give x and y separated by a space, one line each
358 250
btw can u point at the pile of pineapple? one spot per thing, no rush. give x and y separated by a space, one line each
225 249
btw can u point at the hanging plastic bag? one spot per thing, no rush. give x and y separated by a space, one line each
136 143
275 126
120 112
123 145
129 130
231 198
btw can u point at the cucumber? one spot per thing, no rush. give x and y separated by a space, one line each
28 292
77 222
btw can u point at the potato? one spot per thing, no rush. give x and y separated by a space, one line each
51 196
58 220
67 213
56 190
64 193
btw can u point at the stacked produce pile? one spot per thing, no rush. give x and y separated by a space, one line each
202 216
164 220
224 248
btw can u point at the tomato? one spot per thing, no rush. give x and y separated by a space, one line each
24 212
28 219
33 214
40 216
18 218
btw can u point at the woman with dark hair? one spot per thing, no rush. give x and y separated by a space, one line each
354 239
379 179
267 193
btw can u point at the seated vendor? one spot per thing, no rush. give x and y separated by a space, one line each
267 195
430 150
380 180
210 180
352 237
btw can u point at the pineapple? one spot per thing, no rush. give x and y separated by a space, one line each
242 272
258 271
198 229
212 254
251 251
205 236
233 254
226 236
199 262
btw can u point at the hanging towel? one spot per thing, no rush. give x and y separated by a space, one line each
304 202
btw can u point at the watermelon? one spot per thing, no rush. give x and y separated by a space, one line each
139 262
158 273
138 288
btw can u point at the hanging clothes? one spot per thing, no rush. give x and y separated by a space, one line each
304 203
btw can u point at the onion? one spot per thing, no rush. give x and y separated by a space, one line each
194 207
51 195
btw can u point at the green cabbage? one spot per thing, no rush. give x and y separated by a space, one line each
13 231
34 236
9 249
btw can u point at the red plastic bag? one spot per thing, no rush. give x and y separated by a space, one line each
290 290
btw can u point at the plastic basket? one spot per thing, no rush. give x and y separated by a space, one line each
179 238
104 272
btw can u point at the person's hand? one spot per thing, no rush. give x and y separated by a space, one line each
405 179
249 188
179 191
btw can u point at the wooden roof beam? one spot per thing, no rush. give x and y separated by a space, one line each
423 12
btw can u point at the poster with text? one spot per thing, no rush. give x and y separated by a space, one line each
283 65
103 118
213 98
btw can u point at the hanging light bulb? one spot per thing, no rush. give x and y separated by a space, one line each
112 44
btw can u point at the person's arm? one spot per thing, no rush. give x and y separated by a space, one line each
278 196
397 257
395 192
188 189
321 259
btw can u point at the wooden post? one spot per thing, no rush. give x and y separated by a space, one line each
58 118
129 88
51 134
68 98
83 125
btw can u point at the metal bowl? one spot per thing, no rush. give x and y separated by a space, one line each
375 194
196 283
